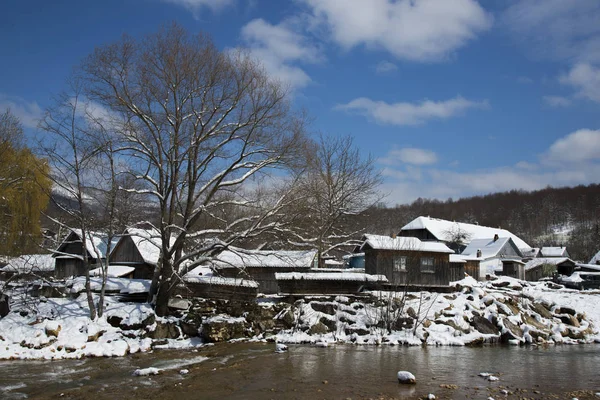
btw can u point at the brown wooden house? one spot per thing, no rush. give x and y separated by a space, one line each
140 249
261 265
408 261
546 267
69 256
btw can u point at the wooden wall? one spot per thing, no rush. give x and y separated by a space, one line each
208 291
265 276
125 252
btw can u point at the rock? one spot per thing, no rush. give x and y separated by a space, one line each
222 331
318 328
512 331
452 324
484 326
426 323
359 331
149 320
411 312
542 310
475 342
501 284
326 308
280 348
329 323
179 304
165 330
403 323
347 320
527 319
190 326
114 321
288 319
565 310
406 377
52 328
4 305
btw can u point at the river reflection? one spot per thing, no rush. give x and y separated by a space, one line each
254 371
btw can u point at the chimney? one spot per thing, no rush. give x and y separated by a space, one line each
495 237
393 236
478 253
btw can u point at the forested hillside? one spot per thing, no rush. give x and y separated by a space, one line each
551 216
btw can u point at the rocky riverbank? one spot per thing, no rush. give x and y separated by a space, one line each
505 310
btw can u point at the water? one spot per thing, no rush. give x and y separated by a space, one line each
254 371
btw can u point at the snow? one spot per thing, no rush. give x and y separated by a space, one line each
280 348
545 261
96 244
457 258
329 276
219 280
146 371
120 285
488 247
240 258
442 230
595 259
554 252
30 263
113 271
379 242
148 242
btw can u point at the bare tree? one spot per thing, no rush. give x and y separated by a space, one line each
80 146
336 186
200 124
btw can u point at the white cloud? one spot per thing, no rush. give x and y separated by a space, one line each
571 160
385 67
278 47
557 29
524 80
557 101
577 147
410 113
585 79
29 113
195 6
416 30
409 155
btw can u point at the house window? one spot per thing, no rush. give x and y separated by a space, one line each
427 264
399 263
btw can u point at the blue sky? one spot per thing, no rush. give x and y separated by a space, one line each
452 97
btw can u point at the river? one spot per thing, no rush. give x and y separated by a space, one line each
255 371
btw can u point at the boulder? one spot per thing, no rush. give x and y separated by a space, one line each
542 310
411 312
403 323
329 323
565 310
287 318
179 304
359 331
149 320
484 326
165 330
326 308
318 329
114 321
406 377
222 331
4 305
512 331
53 328
190 325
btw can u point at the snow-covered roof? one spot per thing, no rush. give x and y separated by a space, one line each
442 230
96 244
545 261
240 258
113 271
30 263
219 280
457 258
553 252
148 243
595 259
330 276
488 246
594 267
379 242
531 252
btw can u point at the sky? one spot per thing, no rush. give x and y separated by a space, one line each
452 98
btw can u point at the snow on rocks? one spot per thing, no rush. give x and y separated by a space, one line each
280 348
184 371
146 371
406 377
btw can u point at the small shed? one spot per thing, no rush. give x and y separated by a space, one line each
514 268
545 267
28 267
408 261
492 253
302 283
261 265
69 255
140 249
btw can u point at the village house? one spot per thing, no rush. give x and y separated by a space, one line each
69 256
138 249
545 267
28 267
496 255
546 252
261 265
456 235
408 261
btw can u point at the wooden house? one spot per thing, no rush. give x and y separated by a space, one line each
514 268
318 282
546 252
261 265
70 255
28 267
545 267
456 235
140 249
493 255
408 261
